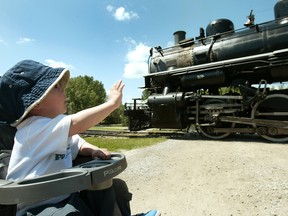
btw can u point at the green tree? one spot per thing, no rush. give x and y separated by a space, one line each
83 92
116 117
145 94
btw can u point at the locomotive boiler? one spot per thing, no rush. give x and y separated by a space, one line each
221 82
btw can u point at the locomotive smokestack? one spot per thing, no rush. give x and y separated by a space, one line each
179 36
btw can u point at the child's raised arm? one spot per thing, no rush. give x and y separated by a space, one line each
85 119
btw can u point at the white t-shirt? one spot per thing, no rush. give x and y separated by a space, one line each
42 146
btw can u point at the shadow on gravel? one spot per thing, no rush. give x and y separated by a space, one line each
233 137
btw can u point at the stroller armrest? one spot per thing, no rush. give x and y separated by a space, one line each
92 175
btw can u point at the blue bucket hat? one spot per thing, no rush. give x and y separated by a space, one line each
24 86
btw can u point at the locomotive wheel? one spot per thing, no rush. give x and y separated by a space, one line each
207 131
277 103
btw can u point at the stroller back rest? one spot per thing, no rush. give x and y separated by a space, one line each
4 162
6 144
7 134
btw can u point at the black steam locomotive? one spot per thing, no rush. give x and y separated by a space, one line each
220 82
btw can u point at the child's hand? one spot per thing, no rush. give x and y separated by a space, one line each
104 154
115 95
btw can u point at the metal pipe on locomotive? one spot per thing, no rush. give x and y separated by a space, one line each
220 82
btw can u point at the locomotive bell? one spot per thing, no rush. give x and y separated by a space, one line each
219 26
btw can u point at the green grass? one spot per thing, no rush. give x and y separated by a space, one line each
109 128
119 144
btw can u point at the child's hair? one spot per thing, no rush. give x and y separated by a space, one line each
24 86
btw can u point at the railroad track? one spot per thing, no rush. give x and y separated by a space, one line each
133 134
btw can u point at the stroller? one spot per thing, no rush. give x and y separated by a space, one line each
87 174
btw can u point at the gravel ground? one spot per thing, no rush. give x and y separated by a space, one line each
193 177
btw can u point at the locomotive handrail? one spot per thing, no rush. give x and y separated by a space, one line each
93 175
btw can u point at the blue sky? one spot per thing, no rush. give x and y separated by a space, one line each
109 39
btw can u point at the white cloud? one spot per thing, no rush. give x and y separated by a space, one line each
121 14
137 61
55 64
24 40
110 8
135 69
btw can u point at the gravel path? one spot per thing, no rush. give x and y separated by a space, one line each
194 177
